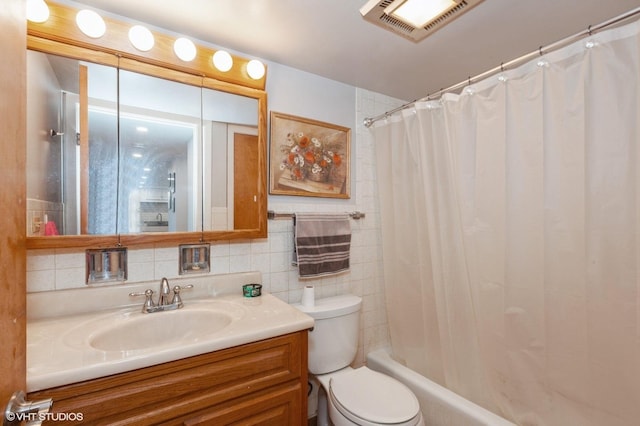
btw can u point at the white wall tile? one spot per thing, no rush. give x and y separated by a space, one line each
239 263
68 258
41 280
140 271
41 260
141 254
70 278
166 254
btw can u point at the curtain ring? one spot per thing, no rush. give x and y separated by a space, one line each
501 66
540 51
589 30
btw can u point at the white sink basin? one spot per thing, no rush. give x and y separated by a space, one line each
159 329
131 330
83 334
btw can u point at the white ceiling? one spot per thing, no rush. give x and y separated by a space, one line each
331 39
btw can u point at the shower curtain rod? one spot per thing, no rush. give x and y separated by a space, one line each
368 122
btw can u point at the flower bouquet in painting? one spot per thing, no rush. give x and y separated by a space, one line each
308 158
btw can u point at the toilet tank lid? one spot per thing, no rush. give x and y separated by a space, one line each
330 307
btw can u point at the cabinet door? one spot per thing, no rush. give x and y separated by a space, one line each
277 407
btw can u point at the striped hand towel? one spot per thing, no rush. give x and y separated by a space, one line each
322 243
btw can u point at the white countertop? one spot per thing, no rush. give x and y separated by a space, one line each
55 355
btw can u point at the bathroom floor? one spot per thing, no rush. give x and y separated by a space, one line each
312 421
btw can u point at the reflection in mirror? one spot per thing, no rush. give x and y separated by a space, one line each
231 151
160 147
63 96
83 182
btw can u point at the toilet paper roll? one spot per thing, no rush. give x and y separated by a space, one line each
308 296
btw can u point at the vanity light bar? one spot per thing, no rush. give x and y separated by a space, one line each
150 47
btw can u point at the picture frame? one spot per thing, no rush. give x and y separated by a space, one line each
308 157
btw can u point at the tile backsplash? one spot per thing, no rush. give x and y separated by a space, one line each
57 269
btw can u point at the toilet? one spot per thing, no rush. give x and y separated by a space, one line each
351 396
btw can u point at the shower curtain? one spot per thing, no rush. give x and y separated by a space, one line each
511 236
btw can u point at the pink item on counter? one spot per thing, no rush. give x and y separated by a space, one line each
50 228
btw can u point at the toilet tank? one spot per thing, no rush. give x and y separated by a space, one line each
333 342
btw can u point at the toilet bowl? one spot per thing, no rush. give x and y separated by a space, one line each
367 398
352 396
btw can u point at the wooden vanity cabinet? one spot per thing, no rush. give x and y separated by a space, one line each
261 383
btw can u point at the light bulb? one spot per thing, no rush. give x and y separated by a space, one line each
222 60
141 38
37 11
185 49
90 23
255 69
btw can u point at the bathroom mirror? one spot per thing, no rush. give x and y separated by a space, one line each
160 182
62 185
167 155
147 142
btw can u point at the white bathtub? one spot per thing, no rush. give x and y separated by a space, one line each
440 406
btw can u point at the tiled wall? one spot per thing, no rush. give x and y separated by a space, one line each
63 268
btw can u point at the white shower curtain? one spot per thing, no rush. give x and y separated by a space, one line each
511 236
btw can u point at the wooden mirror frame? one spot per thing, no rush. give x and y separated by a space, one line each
59 35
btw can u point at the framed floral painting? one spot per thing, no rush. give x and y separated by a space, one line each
308 157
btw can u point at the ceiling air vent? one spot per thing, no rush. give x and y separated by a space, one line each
383 14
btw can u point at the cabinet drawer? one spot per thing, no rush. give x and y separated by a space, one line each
172 390
277 407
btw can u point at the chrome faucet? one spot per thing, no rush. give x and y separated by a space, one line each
165 303
163 298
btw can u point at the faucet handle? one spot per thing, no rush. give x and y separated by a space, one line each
177 300
148 303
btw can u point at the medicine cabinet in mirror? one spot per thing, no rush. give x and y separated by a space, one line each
126 148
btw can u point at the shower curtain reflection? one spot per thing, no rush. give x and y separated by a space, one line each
510 228
102 171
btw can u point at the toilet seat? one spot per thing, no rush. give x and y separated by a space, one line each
367 397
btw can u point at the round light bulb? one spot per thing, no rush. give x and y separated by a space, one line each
185 49
255 69
90 23
222 60
141 38
37 11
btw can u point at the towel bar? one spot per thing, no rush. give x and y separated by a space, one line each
273 215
